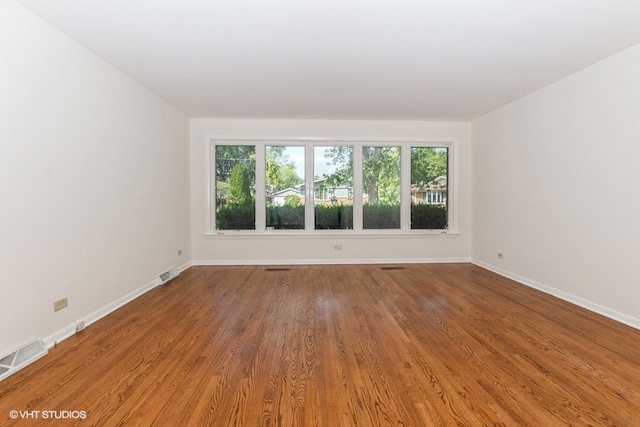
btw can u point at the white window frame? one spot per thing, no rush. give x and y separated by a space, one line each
309 143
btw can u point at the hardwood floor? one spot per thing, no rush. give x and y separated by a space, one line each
427 345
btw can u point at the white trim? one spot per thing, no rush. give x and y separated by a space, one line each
329 141
453 188
405 196
231 262
584 303
261 197
358 177
331 234
184 266
210 163
309 196
70 330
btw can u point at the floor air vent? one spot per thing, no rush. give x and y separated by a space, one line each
168 275
392 268
278 269
17 359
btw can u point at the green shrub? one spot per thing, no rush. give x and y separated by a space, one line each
379 216
338 217
236 217
285 217
292 201
428 217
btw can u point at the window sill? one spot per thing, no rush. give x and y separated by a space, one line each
329 234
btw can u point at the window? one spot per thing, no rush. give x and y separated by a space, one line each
381 187
354 187
235 186
284 187
429 173
333 187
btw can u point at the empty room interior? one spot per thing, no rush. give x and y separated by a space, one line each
320 213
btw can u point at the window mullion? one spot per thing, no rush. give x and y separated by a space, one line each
452 186
405 188
309 202
211 188
357 187
261 200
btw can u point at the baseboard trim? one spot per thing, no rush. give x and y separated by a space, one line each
227 262
573 299
184 266
70 330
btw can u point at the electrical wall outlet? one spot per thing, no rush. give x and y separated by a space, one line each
60 304
337 247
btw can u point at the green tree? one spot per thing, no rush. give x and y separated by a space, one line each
239 186
381 166
272 175
280 172
428 163
227 156
289 176
342 158
381 174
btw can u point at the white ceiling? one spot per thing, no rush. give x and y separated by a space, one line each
345 59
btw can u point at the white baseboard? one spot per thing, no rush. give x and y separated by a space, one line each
70 330
589 305
329 261
184 266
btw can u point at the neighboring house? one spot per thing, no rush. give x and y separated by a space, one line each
324 195
434 193
279 197
327 194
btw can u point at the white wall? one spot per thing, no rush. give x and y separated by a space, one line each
556 188
94 182
225 250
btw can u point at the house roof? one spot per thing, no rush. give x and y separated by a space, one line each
286 192
302 186
440 180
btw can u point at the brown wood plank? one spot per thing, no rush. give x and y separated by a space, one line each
432 345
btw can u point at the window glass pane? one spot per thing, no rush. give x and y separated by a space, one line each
284 182
429 187
333 187
235 187
381 187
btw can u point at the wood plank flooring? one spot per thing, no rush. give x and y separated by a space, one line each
427 345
